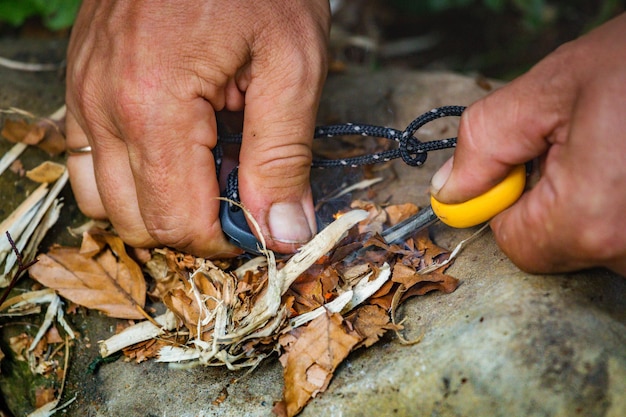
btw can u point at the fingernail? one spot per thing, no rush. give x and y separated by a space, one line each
441 176
288 223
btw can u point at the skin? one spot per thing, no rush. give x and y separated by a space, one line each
568 111
145 80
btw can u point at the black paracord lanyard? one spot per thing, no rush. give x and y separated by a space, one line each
412 151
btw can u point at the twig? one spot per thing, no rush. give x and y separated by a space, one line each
144 330
20 270
50 408
455 252
29 66
361 185
395 302
11 156
146 315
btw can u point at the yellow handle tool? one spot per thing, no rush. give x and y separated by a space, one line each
482 208
469 213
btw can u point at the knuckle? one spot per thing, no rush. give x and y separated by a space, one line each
284 160
172 235
195 240
135 237
296 65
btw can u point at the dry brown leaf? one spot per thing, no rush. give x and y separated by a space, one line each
371 322
210 288
198 291
47 171
53 336
393 249
384 295
114 285
149 349
432 252
376 216
165 278
412 283
44 395
312 358
184 307
210 293
45 134
90 245
119 249
21 131
19 345
407 276
53 142
314 288
399 212
437 281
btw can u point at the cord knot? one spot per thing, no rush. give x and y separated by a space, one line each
411 151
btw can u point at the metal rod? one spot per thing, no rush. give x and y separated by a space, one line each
403 230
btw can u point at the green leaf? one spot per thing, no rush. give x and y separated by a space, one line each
16 14
62 16
55 14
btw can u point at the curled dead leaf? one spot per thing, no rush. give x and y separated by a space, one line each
376 216
399 212
44 395
46 172
371 322
21 131
44 133
437 281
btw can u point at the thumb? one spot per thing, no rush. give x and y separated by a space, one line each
511 126
275 157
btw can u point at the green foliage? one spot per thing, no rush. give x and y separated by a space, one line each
55 14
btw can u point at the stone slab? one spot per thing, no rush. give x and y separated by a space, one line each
505 343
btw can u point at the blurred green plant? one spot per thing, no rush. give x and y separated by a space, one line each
54 14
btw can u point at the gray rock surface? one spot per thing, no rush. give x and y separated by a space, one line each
504 344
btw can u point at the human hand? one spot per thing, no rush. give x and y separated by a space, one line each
144 81
568 111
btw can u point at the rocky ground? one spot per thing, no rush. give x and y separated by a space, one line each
504 343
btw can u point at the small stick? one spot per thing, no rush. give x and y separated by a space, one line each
28 66
20 269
